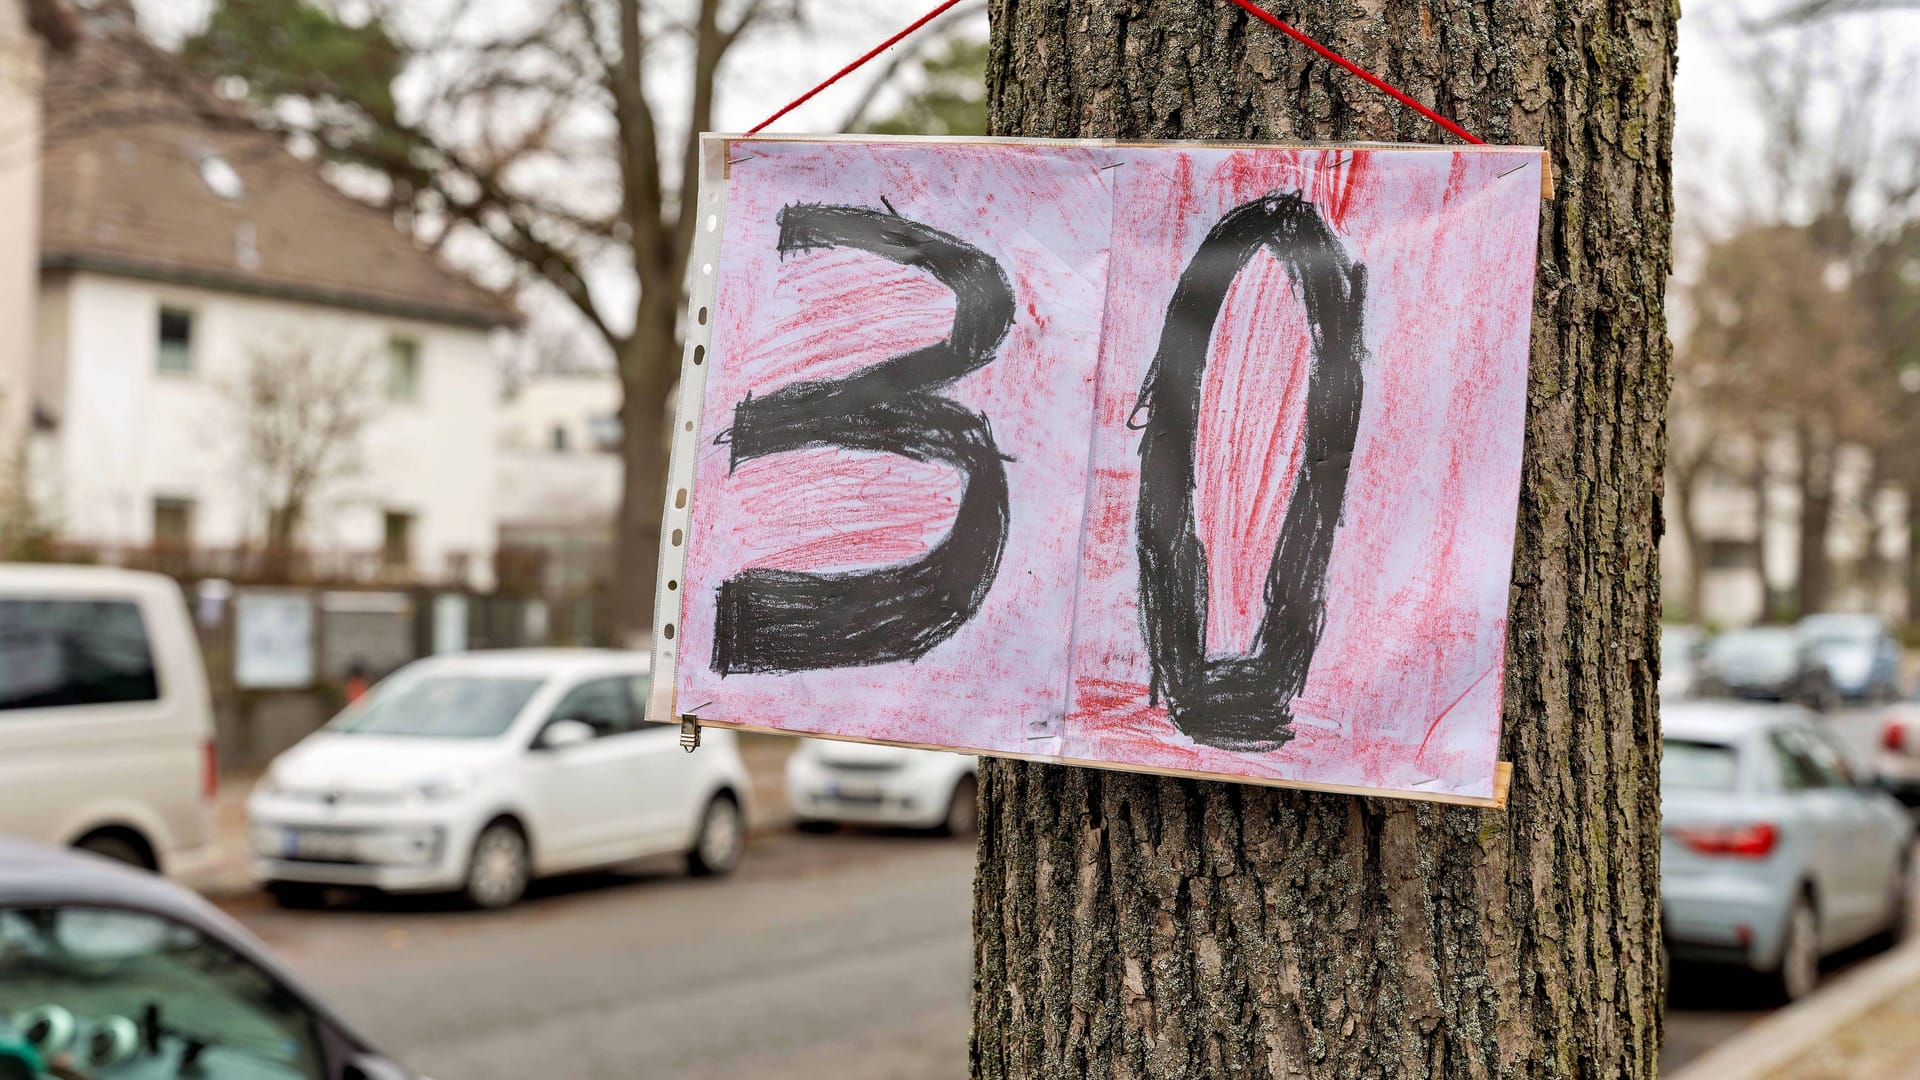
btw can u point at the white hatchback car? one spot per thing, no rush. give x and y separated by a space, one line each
831 782
479 772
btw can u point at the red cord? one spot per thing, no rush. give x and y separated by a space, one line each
855 66
1376 81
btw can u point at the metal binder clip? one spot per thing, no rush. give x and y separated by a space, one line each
689 734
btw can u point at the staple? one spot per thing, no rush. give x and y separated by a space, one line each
1515 169
1111 165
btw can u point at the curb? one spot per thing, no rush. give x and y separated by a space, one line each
1776 1041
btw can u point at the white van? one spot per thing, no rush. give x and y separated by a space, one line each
106 731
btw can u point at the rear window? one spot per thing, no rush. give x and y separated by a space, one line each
1698 766
73 652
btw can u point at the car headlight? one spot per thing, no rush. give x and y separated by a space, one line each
443 788
270 784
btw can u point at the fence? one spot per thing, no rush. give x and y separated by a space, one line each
281 641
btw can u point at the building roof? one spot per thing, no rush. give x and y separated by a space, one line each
146 173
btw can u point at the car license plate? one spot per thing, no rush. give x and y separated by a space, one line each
865 793
319 845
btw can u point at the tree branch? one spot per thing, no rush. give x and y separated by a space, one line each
914 48
1812 10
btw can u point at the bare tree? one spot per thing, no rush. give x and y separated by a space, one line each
1765 303
300 410
27 529
557 134
1840 176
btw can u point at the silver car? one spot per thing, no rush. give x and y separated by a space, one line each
1859 652
109 972
1772 854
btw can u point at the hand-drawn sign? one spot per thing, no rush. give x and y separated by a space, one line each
1199 460
785 620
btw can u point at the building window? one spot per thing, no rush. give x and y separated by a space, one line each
403 369
558 439
396 548
173 523
175 352
604 430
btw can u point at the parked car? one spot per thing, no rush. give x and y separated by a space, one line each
1771 663
1898 762
830 782
108 973
1859 652
479 772
106 730
1681 648
1773 854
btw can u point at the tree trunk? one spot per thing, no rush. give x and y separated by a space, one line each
283 529
1878 574
1816 511
649 362
1769 598
1133 926
1912 513
1692 544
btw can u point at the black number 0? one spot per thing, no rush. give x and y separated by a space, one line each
1244 702
788 620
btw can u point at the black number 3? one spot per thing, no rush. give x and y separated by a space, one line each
1245 702
787 620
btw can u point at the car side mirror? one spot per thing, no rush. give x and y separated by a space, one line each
561 734
373 1067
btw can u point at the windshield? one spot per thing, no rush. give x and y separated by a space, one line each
439 706
1828 630
1770 648
132 994
1698 766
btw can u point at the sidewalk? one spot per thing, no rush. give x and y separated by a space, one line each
230 875
1864 1025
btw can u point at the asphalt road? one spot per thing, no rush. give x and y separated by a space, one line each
842 956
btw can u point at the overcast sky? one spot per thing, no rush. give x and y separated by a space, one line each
1717 132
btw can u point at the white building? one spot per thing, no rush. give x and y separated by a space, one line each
559 473
19 220
178 249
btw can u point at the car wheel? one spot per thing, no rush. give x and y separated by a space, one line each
1799 969
298 895
963 808
723 836
118 848
500 867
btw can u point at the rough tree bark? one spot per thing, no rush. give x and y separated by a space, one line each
1130 926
